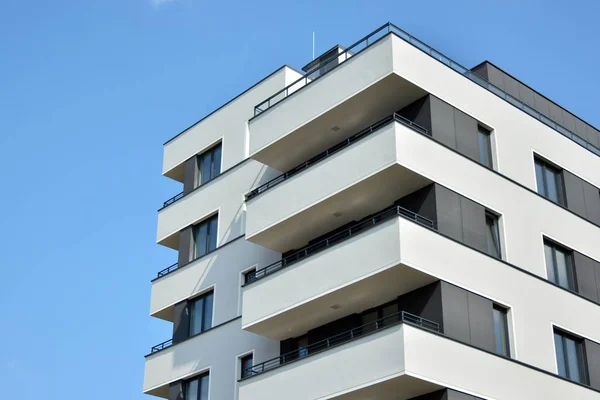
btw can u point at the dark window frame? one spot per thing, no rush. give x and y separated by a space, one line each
214 156
495 234
559 180
580 354
193 304
199 379
245 369
504 315
484 139
570 265
248 275
211 237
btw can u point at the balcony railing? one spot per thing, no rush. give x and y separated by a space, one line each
172 200
333 150
167 270
390 28
161 346
340 339
338 237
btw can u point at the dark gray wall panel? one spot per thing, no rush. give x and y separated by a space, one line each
421 202
448 212
419 112
495 77
481 322
482 70
466 135
574 192
526 95
594 136
555 113
542 104
581 129
456 313
189 175
568 120
591 195
473 224
438 395
585 273
442 122
185 246
181 322
454 395
592 351
511 86
175 391
425 302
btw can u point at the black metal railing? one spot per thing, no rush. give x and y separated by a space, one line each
341 338
161 346
167 270
338 237
333 150
172 200
389 28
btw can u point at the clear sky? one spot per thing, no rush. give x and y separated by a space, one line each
90 90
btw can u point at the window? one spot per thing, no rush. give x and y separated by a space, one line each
559 265
209 165
205 236
246 363
492 234
249 275
201 311
501 331
549 182
569 357
485 146
197 388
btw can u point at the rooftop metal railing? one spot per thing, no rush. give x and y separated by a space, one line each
333 150
172 200
390 28
161 346
338 237
340 339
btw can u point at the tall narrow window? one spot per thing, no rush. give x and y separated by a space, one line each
209 165
559 265
197 388
570 357
201 312
501 330
485 146
247 362
205 236
549 182
492 235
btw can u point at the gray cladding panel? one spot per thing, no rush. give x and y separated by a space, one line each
181 322
574 192
496 77
473 224
526 95
466 135
481 322
189 175
591 195
592 351
568 120
454 395
185 246
585 273
581 129
594 136
175 391
448 212
511 86
456 313
542 104
425 302
442 122
555 113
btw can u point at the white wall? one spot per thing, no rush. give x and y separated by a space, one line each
229 124
218 270
216 350
353 76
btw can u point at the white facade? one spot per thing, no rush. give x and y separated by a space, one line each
343 268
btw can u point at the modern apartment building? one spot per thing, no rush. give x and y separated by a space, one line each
386 224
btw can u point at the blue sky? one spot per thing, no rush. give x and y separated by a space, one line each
90 90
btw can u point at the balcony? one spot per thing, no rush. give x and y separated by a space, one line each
333 189
399 361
